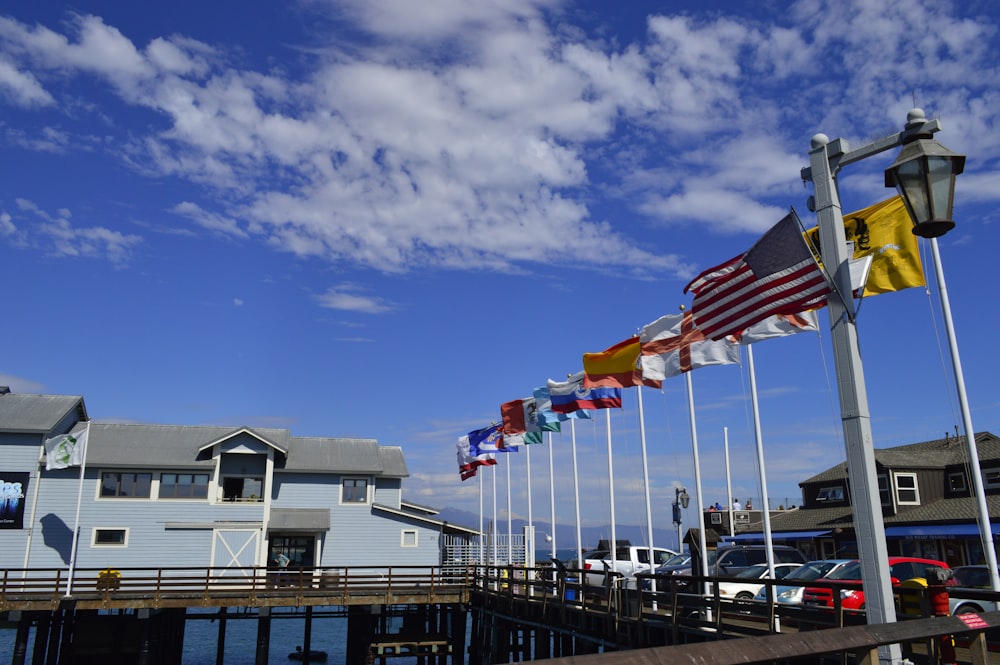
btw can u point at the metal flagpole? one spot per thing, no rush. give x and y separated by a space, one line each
982 512
76 522
531 520
703 554
493 559
765 509
611 495
510 519
576 496
729 484
552 497
645 482
482 535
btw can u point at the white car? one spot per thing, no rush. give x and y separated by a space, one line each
745 590
813 570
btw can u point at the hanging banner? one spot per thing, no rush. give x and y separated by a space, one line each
13 486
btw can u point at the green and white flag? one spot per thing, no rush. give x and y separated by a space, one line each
65 450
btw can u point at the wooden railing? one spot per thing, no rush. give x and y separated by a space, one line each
41 588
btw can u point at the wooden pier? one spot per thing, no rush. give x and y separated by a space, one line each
422 615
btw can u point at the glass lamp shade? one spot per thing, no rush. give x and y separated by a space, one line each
685 499
924 174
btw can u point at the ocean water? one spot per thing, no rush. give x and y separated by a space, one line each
200 637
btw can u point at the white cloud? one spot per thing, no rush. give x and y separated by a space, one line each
348 297
56 235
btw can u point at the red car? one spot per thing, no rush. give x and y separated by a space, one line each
901 568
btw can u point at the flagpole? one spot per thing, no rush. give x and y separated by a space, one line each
493 559
510 519
531 521
982 512
645 481
729 484
611 494
482 537
765 508
703 554
576 496
76 522
552 497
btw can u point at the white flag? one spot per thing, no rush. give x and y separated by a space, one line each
65 450
672 345
779 325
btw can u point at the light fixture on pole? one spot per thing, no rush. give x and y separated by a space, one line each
911 173
924 174
681 500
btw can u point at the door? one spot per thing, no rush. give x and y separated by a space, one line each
234 552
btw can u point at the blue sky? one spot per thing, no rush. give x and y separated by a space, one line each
381 218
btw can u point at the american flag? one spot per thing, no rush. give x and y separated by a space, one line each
778 275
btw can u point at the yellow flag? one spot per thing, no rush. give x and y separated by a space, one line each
883 231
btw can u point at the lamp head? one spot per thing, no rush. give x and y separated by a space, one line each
924 174
684 498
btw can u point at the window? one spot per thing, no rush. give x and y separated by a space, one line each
906 489
884 494
126 485
242 488
107 537
183 485
991 478
355 490
831 494
956 481
409 538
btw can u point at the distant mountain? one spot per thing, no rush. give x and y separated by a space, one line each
566 533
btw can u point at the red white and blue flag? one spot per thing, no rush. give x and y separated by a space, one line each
778 275
569 396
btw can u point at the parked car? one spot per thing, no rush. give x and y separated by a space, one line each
807 572
970 577
632 559
729 561
745 590
901 568
677 562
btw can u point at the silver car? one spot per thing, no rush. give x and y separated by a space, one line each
812 570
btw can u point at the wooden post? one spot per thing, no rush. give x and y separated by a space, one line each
220 641
263 635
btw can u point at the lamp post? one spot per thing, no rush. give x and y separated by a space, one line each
681 500
925 174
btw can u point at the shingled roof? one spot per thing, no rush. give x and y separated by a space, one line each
935 454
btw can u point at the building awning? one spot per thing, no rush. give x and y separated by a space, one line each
299 519
777 535
918 531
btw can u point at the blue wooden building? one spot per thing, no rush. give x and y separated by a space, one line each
228 497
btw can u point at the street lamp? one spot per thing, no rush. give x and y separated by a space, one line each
919 171
681 500
924 174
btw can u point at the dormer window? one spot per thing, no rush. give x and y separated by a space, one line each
906 489
956 482
832 494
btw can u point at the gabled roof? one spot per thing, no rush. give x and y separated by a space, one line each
446 527
936 454
283 449
37 414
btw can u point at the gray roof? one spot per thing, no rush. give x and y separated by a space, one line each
37 413
178 446
935 454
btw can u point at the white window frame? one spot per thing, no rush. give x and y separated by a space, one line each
915 489
93 536
368 491
833 494
409 532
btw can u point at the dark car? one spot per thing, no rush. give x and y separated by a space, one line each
728 561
